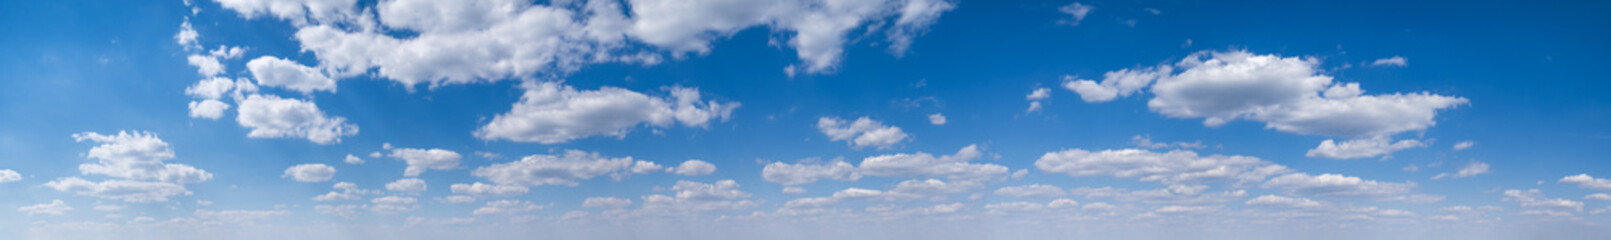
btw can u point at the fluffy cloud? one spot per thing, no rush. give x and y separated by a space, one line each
1286 93
955 167
457 42
606 202
1361 148
1336 185
937 119
208 109
273 117
1031 191
507 207
349 191
1115 84
1535 199
693 168
1472 169
129 191
1279 201
409 185
697 196
350 159
864 132
564 169
419 160
312 172
276 72
550 112
1586 181
805 172
1173 167
1035 96
8 175
489 190
56 207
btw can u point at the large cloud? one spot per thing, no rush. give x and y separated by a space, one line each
277 72
457 42
551 112
136 161
273 117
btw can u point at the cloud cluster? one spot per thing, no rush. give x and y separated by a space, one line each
136 162
863 132
551 112
564 169
958 166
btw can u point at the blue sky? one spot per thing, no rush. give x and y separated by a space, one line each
809 119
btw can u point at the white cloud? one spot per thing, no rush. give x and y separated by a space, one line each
794 190
1536 199
1031 191
693 168
489 190
565 169
136 156
697 196
1472 169
207 66
1076 13
1035 96
1279 201
1463 145
1146 142
1115 84
420 160
459 42
312 172
187 35
1288 94
457 199
1598 196
1174 194
1586 181
350 159
507 207
409 185
806 172
1395 61
1173 167
937 119
550 112
211 88
129 191
56 207
277 72
239 215
346 210
955 167
208 109
1336 185
864 132
1361 148
273 117
349 191
8 175
393 204
606 202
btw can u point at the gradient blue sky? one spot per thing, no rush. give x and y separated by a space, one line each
1502 99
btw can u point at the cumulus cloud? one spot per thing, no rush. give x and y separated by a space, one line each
1031 191
698 196
420 160
8 175
807 172
277 72
125 190
1279 201
864 132
350 159
937 119
270 116
56 207
693 168
562 169
408 185
1586 181
458 42
312 172
136 160
957 166
606 202
1361 148
1336 186
489 190
1173 167
1288 94
507 207
550 112
1472 169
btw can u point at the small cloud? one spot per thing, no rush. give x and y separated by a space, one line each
1076 13
1395 61
937 119
1463 145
